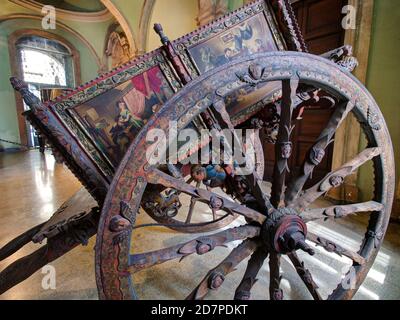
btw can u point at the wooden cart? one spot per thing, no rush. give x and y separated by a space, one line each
247 70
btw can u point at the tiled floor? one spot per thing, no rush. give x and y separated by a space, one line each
33 186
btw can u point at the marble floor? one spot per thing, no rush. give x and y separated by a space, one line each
33 186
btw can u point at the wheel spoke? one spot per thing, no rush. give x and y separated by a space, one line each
193 201
305 275
341 211
215 278
243 291
275 292
259 151
333 247
200 245
222 115
156 176
283 147
317 152
175 171
333 179
253 180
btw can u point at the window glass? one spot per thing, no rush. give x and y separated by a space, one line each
45 64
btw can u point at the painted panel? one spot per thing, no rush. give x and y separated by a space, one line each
115 118
251 36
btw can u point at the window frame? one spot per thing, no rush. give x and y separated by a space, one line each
16 69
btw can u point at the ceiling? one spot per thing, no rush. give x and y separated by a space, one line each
78 6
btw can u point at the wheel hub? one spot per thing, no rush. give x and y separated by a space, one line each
284 232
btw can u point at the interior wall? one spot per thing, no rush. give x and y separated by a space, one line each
8 119
177 18
180 20
93 32
235 4
128 13
90 53
383 78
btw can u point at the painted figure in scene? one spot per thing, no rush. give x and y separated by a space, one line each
213 176
125 128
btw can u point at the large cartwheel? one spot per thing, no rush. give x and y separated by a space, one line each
277 224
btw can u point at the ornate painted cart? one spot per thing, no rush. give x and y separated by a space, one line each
247 70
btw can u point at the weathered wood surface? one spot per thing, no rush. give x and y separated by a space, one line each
74 209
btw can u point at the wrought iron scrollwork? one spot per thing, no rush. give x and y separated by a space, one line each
165 205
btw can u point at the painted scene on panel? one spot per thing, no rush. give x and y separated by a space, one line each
251 36
115 118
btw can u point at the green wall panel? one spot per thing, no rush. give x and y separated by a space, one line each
383 78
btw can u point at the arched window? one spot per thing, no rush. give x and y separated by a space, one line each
44 64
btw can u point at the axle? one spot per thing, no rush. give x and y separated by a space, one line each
285 232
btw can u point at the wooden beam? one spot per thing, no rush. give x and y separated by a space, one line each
347 138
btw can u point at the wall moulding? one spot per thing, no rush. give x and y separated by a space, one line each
61 25
144 25
123 23
99 16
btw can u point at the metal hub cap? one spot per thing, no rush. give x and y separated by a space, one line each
284 231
